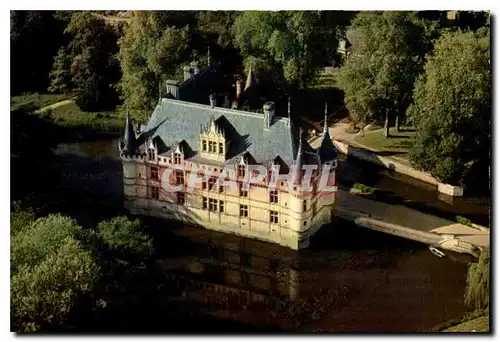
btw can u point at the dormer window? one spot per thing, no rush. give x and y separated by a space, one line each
151 154
177 158
212 147
221 148
204 145
241 170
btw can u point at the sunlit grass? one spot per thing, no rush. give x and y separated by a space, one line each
398 142
36 100
70 115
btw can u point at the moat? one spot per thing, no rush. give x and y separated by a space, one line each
349 279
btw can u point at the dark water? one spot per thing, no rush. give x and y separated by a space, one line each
349 279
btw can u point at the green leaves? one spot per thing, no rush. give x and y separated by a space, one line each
49 271
150 51
125 237
295 40
451 107
87 64
385 59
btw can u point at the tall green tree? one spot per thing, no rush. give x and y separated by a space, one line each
292 42
35 37
88 64
50 272
152 49
452 109
386 57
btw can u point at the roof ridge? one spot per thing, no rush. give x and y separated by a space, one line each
222 109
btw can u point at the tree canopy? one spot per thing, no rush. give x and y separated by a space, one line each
386 57
50 270
477 292
291 42
87 64
150 51
452 108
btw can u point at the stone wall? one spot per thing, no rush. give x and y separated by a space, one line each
396 166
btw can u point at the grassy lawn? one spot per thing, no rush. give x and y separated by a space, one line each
326 79
71 116
35 100
398 144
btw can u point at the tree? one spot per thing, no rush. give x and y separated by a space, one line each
125 239
386 57
295 41
452 109
88 64
35 37
477 292
50 272
150 51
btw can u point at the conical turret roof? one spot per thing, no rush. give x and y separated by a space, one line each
327 150
129 141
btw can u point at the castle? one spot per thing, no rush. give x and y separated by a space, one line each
196 139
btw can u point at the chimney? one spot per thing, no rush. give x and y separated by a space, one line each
172 87
187 72
268 114
194 67
239 86
212 100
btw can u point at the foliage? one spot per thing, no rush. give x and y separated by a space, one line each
463 220
73 117
35 37
365 188
88 62
217 24
386 57
477 293
293 42
451 109
124 238
20 219
50 271
150 51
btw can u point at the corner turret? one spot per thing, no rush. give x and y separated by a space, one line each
128 143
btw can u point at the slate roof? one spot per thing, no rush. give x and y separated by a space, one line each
173 121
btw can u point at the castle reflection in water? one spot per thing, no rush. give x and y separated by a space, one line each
236 278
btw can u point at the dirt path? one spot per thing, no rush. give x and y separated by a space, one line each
54 105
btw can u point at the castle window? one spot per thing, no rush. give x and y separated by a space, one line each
211 183
221 206
204 203
221 189
243 210
177 158
212 204
151 153
273 216
273 196
179 177
243 193
181 198
155 193
204 145
221 148
305 223
204 185
304 205
241 170
212 147
154 172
